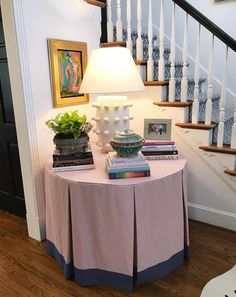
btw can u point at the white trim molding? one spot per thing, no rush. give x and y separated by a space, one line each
16 45
212 216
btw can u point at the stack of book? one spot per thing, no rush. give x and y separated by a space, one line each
120 167
159 150
72 160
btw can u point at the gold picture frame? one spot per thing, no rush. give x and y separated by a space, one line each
68 60
157 129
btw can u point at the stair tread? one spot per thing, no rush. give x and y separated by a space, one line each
156 83
172 104
230 172
213 148
200 126
113 44
97 3
140 62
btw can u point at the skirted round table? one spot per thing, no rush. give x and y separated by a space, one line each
121 232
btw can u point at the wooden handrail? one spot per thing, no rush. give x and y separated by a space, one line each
205 22
97 3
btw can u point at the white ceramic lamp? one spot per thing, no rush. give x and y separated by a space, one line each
111 71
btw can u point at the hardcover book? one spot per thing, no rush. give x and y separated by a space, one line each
115 159
129 174
147 153
159 142
158 148
128 164
72 168
128 169
162 157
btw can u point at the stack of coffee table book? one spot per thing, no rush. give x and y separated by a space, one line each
72 160
127 167
160 150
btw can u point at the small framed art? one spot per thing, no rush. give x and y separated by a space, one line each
157 129
68 60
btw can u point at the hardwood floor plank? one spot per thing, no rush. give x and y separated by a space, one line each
27 270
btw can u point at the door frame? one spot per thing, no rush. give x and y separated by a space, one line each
16 46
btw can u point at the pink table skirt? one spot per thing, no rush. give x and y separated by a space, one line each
117 232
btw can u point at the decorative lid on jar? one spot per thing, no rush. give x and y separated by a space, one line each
127 143
127 137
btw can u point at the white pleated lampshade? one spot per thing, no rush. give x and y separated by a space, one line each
111 70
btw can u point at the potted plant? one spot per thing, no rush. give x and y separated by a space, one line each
71 130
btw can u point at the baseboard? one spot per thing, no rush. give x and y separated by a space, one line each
36 227
212 216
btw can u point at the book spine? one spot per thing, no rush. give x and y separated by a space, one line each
128 169
129 174
159 147
55 164
115 160
131 165
124 165
162 157
147 153
72 168
152 142
79 161
71 156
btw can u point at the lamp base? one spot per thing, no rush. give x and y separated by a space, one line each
112 116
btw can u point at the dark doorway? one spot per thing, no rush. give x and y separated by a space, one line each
11 188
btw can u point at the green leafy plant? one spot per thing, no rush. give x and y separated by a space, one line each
69 124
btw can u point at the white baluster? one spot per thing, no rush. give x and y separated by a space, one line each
139 47
109 22
150 46
221 125
172 59
195 110
119 35
233 135
161 62
184 81
209 87
129 31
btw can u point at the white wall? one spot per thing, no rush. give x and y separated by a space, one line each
27 26
67 20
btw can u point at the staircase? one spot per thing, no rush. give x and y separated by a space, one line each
203 121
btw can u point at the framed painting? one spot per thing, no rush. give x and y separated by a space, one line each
68 60
157 129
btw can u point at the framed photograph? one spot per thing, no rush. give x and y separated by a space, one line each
157 129
68 60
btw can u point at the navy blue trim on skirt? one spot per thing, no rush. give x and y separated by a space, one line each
162 269
68 269
87 277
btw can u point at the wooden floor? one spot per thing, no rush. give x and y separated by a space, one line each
26 269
